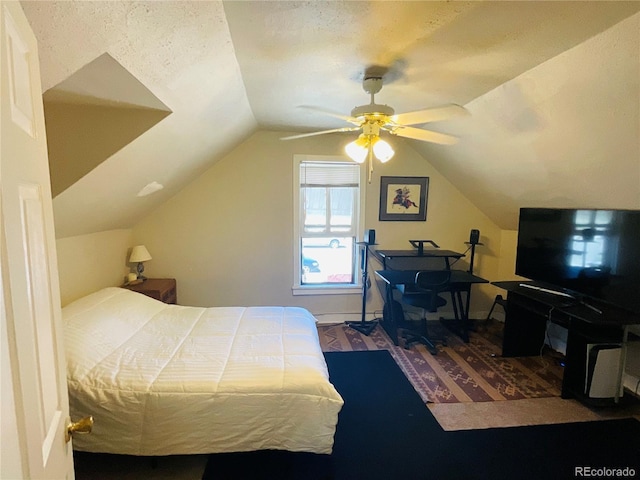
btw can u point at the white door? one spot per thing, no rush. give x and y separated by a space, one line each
35 406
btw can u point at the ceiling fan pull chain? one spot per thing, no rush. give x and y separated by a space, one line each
370 161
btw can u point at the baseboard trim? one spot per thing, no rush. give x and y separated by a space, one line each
334 318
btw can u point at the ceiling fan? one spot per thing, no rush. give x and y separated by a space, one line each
373 118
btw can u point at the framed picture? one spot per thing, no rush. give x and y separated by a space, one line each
403 198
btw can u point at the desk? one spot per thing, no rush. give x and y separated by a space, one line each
527 313
387 255
461 281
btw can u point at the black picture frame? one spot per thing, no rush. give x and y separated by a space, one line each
403 198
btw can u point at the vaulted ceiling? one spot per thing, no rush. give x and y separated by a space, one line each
554 101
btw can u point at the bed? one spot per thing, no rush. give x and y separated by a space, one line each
166 379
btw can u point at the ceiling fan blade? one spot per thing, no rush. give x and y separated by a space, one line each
346 118
322 132
429 115
424 135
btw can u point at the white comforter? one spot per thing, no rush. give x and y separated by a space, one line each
165 379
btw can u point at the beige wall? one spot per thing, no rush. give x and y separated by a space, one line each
87 263
508 249
228 237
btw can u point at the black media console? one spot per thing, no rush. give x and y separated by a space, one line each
531 304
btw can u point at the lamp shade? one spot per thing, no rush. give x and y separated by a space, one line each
382 150
358 149
139 253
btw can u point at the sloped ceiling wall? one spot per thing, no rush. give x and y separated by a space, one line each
180 51
540 119
93 114
563 134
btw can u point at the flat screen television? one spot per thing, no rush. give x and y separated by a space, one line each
594 253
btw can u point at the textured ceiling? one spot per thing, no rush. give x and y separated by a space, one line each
315 53
255 63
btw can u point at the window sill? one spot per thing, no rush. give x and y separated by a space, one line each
327 290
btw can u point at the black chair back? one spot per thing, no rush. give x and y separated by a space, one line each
424 293
437 280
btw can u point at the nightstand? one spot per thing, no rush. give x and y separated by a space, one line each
163 289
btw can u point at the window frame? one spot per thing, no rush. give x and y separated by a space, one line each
324 289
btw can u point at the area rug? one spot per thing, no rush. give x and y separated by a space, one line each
385 431
460 372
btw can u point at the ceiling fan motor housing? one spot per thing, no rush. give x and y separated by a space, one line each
372 109
372 85
372 112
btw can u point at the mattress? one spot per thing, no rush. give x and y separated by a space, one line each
166 379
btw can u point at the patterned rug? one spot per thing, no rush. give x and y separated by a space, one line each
460 372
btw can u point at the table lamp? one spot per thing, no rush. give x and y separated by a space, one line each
139 255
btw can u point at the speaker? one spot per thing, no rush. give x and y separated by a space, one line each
474 237
370 237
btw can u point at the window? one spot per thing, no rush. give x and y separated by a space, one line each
328 215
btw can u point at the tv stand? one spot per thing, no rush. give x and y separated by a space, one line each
545 290
529 309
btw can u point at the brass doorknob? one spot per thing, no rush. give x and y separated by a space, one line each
81 426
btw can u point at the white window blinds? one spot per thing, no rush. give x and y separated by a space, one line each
334 174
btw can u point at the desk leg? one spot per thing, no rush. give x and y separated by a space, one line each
389 322
460 324
465 315
455 302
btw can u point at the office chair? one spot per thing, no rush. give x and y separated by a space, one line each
424 294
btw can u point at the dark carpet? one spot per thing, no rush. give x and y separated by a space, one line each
386 432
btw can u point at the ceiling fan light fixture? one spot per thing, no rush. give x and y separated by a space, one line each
358 149
382 150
